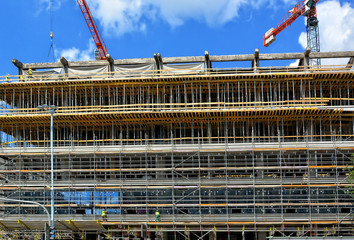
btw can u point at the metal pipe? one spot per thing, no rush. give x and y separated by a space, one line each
51 109
31 202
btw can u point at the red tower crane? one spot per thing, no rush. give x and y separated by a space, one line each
101 52
305 8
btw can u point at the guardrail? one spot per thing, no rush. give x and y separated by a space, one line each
38 76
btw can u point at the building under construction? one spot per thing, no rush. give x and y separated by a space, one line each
221 153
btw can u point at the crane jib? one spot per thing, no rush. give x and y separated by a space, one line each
304 8
101 46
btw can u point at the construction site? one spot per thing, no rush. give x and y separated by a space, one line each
182 148
227 153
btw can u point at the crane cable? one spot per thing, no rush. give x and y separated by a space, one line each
51 48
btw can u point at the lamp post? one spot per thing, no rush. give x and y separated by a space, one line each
31 202
51 109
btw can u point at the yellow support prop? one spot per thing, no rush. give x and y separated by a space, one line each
3 226
100 224
71 222
23 224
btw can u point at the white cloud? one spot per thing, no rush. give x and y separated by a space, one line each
75 54
294 64
303 39
209 11
47 5
336 25
123 16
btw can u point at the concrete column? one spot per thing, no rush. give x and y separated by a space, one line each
261 236
212 236
65 165
164 236
113 165
210 132
161 163
259 162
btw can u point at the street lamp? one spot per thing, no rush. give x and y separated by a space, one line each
51 109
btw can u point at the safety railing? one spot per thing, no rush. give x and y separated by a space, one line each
34 77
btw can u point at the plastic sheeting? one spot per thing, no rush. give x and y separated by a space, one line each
133 70
183 68
100 71
46 74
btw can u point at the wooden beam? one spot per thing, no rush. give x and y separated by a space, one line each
64 61
255 61
42 65
157 62
110 62
60 64
232 58
304 61
343 54
280 56
133 61
160 58
192 59
110 59
207 60
195 59
350 63
17 63
65 64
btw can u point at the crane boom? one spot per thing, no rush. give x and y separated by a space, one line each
101 46
304 8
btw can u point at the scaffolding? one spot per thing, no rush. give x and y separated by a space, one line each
221 153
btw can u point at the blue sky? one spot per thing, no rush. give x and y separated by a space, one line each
139 28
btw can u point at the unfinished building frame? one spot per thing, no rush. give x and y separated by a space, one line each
221 153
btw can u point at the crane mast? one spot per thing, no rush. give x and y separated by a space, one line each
101 46
305 8
313 37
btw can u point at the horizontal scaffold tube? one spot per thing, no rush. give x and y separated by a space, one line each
113 170
278 204
239 186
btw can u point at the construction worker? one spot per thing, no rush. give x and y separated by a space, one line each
157 216
30 73
22 78
104 216
8 77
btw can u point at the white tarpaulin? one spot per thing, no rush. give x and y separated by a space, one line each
184 68
45 74
100 71
133 70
